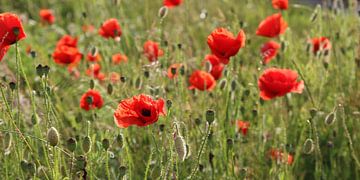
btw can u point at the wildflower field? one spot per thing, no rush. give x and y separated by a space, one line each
179 89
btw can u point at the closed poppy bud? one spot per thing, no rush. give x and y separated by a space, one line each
163 12
278 82
119 58
172 3
269 51
92 84
180 147
120 140
280 4
109 89
330 118
224 44
47 16
105 144
202 80
308 147
53 136
86 145
71 144
96 100
222 84
272 26
110 29
152 51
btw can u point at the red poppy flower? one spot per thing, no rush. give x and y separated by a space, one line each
269 51
114 77
74 72
202 80
279 156
140 110
152 50
272 26
320 43
243 126
100 76
173 70
3 51
280 4
278 82
93 70
90 100
47 16
118 58
67 55
11 30
216 66
110 28
172 3
67 40
88 28
93 57
224 44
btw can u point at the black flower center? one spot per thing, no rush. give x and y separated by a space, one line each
146 112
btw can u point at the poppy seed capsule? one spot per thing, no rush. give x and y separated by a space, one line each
330 118
53 136
313 112
223 83
163 11
180 147
233 85
105 144
12 86
92 84
210 116
71 144
33 54
308 146
86 145
168 104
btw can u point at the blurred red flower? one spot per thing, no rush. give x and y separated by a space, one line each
172 3
202 80
93 70
3 51
279 156
173 70
224 44
67 40
47 16
90 100
243 126
74 72
119 58
320 43
216 66
140 110
280 4
114 77
272 26
110 28
269 51
88 28
152 50
66 55
93 57
278 82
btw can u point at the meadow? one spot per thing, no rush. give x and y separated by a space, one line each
141 89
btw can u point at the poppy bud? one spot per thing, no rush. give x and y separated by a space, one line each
122 171
161 127
120 140
105 144
308 147
71 144
233 85
182 70
198 121
92 84
24 165
330 118
283 46
80 162
163 11
254 112
86 145
168 104
34 119
210 116
180 147
12 86
147 74
109 89
313 112
138 83
201 167
246 93
222 84
33 54
53 136
230 142
123 79
208 66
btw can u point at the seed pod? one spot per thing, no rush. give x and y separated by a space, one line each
313 112
210 116
223 83
168 104
308 147
92 84
105 144
123 79
12 86
86 145
53 136
71 144
161 127
163 11
34 119
180 147
33 54
230 142
330 118
109 89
